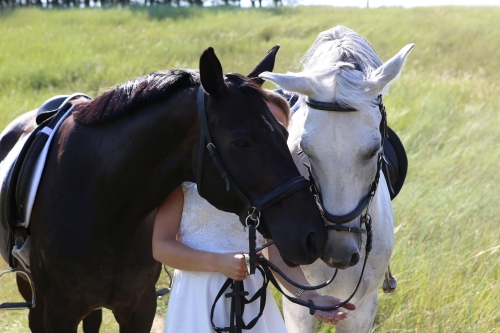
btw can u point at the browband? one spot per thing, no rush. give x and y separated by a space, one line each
328 106
334 106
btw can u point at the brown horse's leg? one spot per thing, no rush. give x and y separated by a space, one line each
92 322
61 316
139 320
35 316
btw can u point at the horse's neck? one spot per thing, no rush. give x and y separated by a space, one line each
150 150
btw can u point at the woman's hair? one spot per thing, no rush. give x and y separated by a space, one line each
280 102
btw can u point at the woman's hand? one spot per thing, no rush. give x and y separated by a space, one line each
232 265
330 317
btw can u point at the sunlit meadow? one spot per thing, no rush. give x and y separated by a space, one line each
445 107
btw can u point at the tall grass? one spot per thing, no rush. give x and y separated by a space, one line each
444 107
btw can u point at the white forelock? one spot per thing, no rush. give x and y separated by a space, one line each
342 62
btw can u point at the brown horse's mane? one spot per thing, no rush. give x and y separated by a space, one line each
133 95
139 92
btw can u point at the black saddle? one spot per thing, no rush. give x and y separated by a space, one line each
397 163
15 186
49 108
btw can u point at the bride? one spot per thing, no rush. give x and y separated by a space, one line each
206 246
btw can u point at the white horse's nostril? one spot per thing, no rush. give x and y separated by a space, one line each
354 259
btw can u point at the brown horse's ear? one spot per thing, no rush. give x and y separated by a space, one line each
211 76
266 65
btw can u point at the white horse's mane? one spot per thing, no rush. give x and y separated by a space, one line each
343 60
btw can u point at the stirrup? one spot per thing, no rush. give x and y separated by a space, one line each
164 291
390 282
19 305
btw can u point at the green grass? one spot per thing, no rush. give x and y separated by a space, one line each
445 107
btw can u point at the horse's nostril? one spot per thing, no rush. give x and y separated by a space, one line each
354 259
313 246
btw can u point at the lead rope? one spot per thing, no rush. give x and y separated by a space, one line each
268 266
238 299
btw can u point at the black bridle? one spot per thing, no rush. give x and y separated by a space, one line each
249 217
251 212
266 267
339 220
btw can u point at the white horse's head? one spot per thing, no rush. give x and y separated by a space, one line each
342 147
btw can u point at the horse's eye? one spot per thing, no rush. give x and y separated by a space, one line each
374 153
242 144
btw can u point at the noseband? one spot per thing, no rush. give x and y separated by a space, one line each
265 265
251 212
339 220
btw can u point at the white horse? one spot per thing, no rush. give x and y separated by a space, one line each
343 149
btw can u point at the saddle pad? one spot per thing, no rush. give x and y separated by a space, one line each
31 177
6 170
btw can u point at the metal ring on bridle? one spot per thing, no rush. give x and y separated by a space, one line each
255 220
252 214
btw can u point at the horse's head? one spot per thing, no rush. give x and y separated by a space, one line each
341 68
251 144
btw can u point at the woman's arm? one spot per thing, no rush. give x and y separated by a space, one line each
168 250
297 275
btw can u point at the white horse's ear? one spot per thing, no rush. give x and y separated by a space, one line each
379 79
296 82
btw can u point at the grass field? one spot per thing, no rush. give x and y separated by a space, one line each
445 107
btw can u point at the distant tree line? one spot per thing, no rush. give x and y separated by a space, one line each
102 3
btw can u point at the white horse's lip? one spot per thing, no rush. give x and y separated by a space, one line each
338 265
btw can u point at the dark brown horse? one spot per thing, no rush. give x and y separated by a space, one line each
116 158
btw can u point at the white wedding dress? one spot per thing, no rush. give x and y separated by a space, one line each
204 227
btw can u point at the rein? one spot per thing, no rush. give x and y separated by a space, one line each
238 299
249 217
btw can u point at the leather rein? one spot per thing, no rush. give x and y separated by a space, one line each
337 220
266 267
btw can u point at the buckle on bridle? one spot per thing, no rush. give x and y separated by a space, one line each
253 214
256 220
